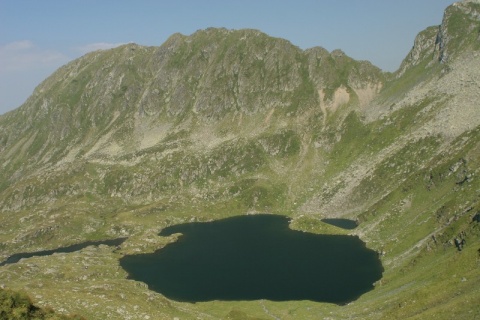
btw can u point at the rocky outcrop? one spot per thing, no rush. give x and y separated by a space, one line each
458 32
423 48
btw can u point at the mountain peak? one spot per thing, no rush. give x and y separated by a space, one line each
458 32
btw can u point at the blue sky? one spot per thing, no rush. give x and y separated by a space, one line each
37 37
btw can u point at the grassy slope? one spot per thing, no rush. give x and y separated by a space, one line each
436 196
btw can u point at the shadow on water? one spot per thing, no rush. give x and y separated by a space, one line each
256 257
76 247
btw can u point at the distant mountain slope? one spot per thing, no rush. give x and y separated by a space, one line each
211 75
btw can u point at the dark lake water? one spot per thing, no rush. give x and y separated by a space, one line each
341 223
256 257
79 246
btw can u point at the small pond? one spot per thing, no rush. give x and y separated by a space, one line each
256 257
341 223
76 247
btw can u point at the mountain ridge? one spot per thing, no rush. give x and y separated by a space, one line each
204 104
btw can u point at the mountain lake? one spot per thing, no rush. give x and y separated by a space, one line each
254 257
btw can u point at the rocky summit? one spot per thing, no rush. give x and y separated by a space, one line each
124 142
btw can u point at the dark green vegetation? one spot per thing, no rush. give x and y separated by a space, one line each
124 142
18 306
256 257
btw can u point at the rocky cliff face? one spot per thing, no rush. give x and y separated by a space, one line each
224 122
